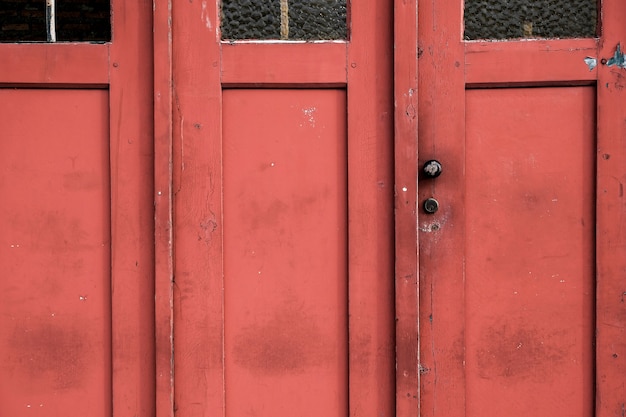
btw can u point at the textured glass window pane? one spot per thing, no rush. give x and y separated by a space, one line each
284 19
509 19
251 19
75 21
83 21
22 21
317 19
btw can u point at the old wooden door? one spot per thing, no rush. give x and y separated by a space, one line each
283 263
521 267
76 257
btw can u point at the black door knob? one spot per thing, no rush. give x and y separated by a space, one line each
431 205
432 168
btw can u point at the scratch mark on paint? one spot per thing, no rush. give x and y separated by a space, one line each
205 16
591 62
618 59
182 143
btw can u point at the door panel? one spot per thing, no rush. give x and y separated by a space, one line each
285 252
312 333
55 255
520 299
77 250
529 274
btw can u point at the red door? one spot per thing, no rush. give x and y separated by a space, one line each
76 244
283 262
521 237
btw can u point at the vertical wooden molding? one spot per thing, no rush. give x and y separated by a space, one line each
405 193
284 19
610 225
51 21
197 199
164 244
370 210
132 205
441 133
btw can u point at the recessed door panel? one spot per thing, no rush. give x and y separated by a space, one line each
55 258
285 252
530 245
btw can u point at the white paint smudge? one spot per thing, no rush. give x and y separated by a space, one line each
309 114
205 16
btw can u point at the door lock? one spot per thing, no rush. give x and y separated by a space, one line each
431 206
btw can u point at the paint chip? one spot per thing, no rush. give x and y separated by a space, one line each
591 62
618 59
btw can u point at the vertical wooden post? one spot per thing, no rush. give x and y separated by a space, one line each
50 21
284 19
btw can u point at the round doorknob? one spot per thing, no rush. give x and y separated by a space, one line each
431 205
432 168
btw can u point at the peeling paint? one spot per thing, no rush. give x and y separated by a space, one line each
618 59
591 62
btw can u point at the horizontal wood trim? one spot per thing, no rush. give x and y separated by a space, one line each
529 61
276 63
60 63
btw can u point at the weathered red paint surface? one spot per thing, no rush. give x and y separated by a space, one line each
521 308
529 264
77 180
405 215
285 252
310 337
55 253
